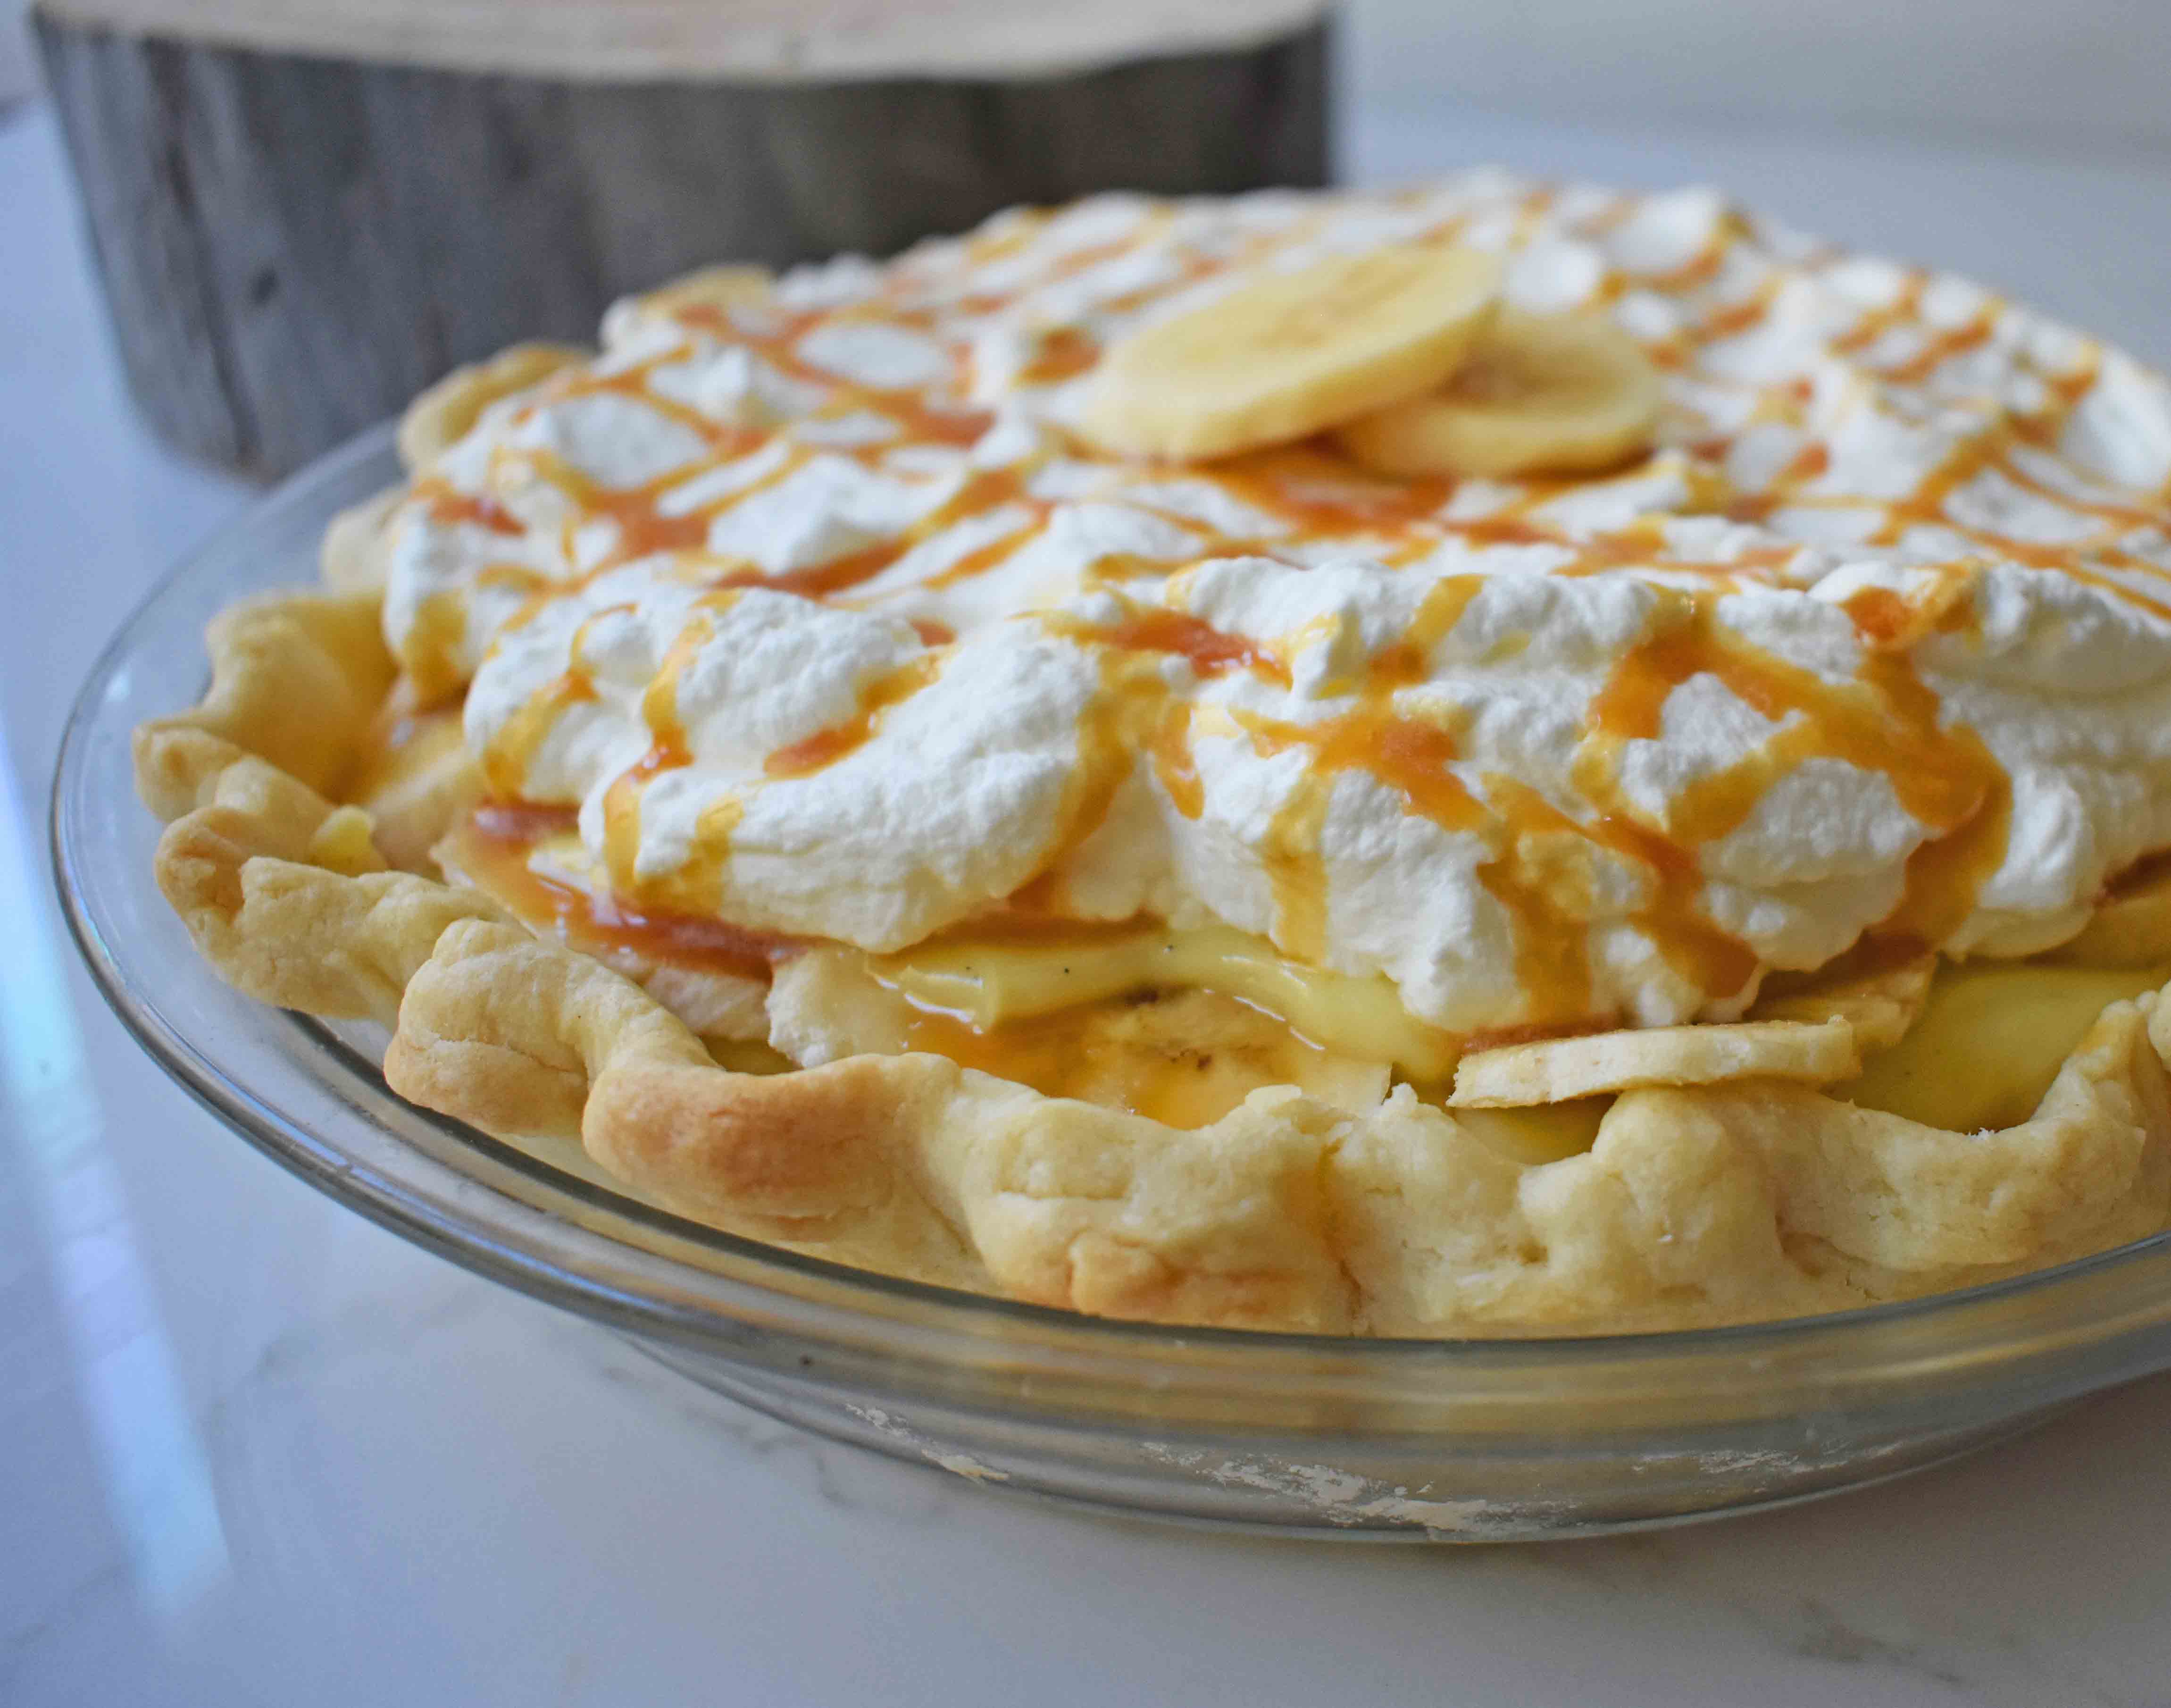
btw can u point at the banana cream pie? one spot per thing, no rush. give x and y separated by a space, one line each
1488 758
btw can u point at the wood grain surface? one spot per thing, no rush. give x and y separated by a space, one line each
291 246
787 40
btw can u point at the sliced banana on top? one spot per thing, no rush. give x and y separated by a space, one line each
1539 394
1293 353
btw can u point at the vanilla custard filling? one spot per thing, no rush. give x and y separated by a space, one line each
810 619
1076 1013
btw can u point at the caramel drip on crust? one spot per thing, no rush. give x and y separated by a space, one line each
497 846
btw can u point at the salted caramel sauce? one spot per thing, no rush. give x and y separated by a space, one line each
643 528
1925 506
1946 347
1729 321
1885 721
494 848
1905 303
2117 516
1701 269
1064 354
1319 491
668 750
1410 751
1207 650
1407 754
825 746
505 758
455 508
1019 229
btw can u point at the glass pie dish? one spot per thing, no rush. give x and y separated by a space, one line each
1444 1440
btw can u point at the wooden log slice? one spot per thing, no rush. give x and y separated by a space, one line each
292 246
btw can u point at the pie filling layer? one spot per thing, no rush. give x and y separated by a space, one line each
807 636
1182 1025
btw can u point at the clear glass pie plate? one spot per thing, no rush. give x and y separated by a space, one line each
1458 1441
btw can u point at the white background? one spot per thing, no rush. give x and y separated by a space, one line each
2057 71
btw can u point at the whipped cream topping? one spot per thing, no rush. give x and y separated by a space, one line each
826 622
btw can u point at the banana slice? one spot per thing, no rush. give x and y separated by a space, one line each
1540 394
1292 353
1558 1070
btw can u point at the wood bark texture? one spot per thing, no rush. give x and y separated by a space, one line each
291 247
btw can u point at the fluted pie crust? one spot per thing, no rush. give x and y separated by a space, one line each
1737 1199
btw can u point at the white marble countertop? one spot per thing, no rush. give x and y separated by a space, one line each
254 1451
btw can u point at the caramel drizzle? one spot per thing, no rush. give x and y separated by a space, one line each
1207 650
1906 304
508 754
1064 354
1884 721
825 746
463 509
496 847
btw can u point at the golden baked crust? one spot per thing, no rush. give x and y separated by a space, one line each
1742 1200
